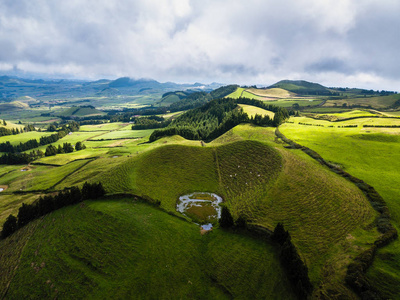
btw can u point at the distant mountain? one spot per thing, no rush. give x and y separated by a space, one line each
12 88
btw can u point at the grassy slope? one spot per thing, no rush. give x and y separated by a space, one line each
253 110
124 249
359 153
39 177
23 137
80 112
376 102
10 125
273 92
338 215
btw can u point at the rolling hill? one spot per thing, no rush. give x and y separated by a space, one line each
81 111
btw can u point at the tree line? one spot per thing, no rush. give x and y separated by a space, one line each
150 122
290 259
47 204
13 131
15 154
31 144
65 148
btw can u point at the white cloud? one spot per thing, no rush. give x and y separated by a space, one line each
252 41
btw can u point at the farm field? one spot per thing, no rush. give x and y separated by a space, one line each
376 102
23 137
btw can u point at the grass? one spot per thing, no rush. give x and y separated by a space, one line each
272 93
253 110
10 203
62 159
202 213
166 173
352 114
10 125
236 94
376 102
289 103
39 177
80 112
329 218
373 157
124 249
103 127
123 134
23 137
264 185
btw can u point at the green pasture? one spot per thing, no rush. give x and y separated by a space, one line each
326 110
361 123
10 203
103 127
289 103
263 185
65 158
272 92
38 177
23 137
353 114
373 157
172 115
253 110
126 249
10 125
236 94
124 134
375 102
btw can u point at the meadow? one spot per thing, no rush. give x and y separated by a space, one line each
373 156
378 102
128 249
253 110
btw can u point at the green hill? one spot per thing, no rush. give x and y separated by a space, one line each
302 87
124 249
14 105
80 111
263 185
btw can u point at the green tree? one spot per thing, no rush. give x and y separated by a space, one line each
226 220
79 146
9 226
4 123
68 148
50 150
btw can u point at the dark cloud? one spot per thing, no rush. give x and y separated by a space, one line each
335 42
330 65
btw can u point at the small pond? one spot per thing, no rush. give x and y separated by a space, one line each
202 208
1 189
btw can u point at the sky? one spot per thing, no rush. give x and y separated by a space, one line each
347 43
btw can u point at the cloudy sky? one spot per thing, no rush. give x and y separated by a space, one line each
353 43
